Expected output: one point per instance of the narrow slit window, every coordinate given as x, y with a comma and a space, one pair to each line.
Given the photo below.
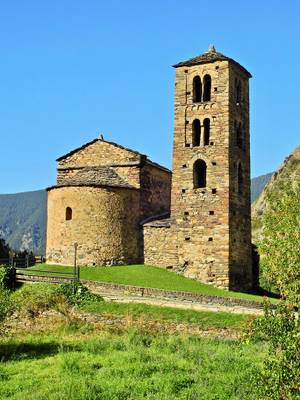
240, 179
199, 174
196, 132
69, 213
206, 88
197, 89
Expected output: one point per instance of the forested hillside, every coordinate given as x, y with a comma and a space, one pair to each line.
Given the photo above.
23, 220
288, 172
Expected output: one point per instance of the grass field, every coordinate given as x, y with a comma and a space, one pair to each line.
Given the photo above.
147, 276
66, 358
204, 319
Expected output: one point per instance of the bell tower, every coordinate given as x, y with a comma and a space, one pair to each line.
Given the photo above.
211, 170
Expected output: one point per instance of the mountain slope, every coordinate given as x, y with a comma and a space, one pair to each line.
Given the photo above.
288, 172
258, 184
23, 220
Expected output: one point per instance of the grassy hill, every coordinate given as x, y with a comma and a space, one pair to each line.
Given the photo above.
23, 220
23, 216
289, 171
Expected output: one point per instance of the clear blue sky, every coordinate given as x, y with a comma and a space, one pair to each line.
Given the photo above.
71, 70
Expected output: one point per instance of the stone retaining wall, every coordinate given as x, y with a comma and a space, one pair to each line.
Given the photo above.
130, 290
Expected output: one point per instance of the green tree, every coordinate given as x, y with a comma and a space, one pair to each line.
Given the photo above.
280, 247
279, 378
4, 249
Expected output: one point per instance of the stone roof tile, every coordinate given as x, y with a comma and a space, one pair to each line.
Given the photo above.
210, 56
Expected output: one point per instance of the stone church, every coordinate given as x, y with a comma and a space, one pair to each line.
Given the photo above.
122, 208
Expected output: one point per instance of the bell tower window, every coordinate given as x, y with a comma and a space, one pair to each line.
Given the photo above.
207, 88
199, 174
206, 125
197, 89
196, 132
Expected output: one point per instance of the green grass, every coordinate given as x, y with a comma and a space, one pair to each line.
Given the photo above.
151, 277
204, 319
78, 363
62, 358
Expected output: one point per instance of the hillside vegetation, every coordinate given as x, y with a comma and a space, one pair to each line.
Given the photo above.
23, 220
288, 172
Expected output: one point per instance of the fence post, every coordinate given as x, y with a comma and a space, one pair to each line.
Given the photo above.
27, 260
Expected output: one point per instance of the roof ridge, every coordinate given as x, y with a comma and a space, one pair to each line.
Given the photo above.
210, 57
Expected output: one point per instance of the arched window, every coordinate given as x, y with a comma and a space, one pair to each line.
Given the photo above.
206, 125
207, 87
197, 89
199, 174
196, 132
69, 213
240, 179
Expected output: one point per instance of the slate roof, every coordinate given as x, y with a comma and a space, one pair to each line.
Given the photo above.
210, 56
115, 145
92, 142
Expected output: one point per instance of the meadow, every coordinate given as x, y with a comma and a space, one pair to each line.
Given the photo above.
49, 351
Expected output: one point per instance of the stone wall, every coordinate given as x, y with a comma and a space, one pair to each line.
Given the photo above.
155, 191
160, 244
105, 224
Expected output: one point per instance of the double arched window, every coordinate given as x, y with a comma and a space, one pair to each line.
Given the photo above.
198, 96
199, 174
196, 132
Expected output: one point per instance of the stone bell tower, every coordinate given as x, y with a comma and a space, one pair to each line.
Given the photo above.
211, 170
208, 236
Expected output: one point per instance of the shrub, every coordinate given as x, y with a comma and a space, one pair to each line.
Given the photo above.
33, 299
6, 304
7, 276
75, 293
279, 377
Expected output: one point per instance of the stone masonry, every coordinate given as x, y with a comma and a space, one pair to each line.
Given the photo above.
103, 193
208, 236
120, 207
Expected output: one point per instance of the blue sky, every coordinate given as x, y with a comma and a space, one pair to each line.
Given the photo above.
71, 70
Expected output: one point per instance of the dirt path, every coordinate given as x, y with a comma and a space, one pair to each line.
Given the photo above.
186, 305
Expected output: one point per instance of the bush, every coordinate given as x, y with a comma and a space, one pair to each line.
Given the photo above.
75, 293
7, 276
279, 377
6, 304
33, 299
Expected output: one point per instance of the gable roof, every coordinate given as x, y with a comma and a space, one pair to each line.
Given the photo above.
92, 142
115, 145
210, 56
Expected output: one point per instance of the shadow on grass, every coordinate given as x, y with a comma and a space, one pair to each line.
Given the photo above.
26, 350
